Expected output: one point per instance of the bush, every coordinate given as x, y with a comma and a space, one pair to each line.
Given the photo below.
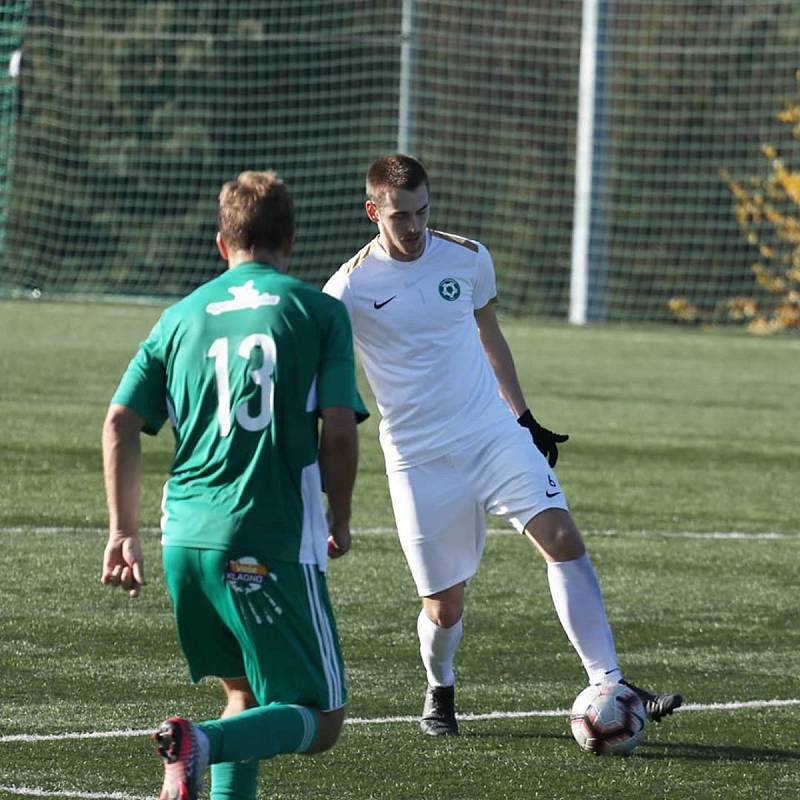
768, 212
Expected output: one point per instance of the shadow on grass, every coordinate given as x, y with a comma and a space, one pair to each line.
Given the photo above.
654, 750
714, 752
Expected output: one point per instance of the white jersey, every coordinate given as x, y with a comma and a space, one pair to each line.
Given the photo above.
417, 339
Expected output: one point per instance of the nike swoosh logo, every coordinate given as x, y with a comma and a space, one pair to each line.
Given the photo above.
376, 304
552, 494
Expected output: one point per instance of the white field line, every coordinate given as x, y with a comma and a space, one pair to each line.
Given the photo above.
691, 707
25, 791
36, 791
556, 712
746, 535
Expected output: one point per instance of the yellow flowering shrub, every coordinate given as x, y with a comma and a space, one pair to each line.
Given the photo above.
768, 212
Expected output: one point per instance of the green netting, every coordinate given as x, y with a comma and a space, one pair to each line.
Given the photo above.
135, 112
12, 20
692, 90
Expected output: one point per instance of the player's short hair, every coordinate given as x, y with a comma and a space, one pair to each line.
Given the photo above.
395, 172
256, 211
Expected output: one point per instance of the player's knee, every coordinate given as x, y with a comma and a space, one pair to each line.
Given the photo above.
445, 608
567, 546
239, 702
239, 696
556, 536
445, 615
330, 726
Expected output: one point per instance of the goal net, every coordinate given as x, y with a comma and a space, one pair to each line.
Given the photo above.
12, 19
130, 114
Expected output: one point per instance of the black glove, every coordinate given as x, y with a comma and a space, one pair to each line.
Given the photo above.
544, 439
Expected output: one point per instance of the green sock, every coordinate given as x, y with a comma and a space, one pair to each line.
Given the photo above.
261, 732
234, 780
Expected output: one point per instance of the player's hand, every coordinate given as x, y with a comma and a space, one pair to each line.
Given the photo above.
339, 540
545, 440
123, 564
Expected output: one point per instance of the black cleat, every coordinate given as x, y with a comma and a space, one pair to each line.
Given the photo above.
438, 713
656, 706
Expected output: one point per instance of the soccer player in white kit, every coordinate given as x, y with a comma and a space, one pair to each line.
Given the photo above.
456, 431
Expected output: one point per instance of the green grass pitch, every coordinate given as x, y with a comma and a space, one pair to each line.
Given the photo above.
679, 439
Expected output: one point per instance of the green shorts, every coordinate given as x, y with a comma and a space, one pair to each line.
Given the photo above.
269, 621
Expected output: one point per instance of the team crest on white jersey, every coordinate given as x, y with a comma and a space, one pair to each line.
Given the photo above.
244, 297
449, 289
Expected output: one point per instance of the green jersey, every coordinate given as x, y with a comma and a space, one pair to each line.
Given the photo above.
241, 367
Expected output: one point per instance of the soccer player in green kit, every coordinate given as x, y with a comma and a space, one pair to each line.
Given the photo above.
243, 368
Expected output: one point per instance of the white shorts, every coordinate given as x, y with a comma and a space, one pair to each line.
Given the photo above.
440, 505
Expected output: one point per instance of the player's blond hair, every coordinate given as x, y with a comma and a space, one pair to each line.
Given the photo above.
256, 211
395, 172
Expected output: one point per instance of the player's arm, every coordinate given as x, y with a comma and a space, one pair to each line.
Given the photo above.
502, 362
338, 460
499, 354
123, 564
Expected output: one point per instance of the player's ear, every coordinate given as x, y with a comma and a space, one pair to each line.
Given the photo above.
372, 210
222, 247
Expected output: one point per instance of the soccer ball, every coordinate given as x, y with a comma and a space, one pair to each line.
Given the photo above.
607, 719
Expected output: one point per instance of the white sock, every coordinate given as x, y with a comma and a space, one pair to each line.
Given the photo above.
579, 604
437, 647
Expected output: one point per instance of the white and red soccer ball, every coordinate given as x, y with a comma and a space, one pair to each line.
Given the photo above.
607, 719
